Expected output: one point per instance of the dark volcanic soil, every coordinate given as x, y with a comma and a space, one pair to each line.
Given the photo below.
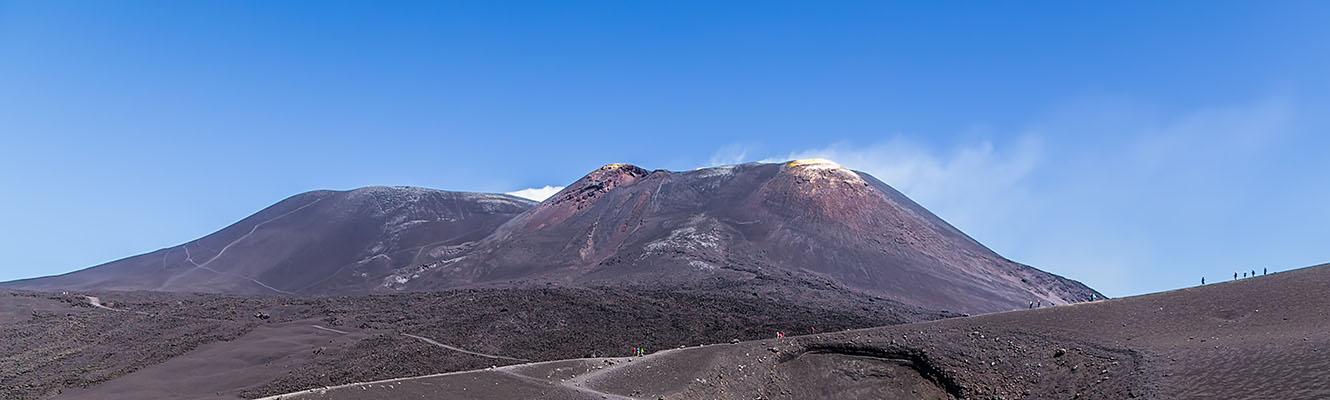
1261, 338
169, 345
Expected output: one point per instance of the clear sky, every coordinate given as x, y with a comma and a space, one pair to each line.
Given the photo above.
1133, 146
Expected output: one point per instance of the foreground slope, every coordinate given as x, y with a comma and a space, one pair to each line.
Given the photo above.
312, 243
1260, 338
163, 345
797, 229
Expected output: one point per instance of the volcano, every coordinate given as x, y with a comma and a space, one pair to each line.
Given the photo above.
802, 231
802, 227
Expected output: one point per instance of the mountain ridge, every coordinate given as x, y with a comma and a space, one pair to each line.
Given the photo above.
323, 231
803, 230
806, 220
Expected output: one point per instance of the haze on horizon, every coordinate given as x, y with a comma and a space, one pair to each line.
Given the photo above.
1134, 152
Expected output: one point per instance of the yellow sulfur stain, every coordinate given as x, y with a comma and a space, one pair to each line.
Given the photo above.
809, 162
819, 169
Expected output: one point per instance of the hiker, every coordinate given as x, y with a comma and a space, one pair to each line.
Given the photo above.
1038, 303
1253, 273
1244, 274
780, 334
1235, 276
1265, 271
1031, 304
1202, 281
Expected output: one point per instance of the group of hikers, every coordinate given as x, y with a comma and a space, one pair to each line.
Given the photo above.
1245, 274
1039, 303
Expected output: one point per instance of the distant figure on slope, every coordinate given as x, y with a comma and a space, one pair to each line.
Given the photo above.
1031, 304
1038, 303
1202, 281
780, 334
1235, 276
1265, 271
1253, 273
1244, 274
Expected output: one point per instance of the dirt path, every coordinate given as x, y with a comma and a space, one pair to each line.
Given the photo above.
324, 328
583, 383
436, 343
296, 395
580, 383
578, 387
204, 266
577, 384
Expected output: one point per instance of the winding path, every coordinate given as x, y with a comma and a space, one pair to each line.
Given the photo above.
324, 328
580, 383
204, 266
436, 343
567, 384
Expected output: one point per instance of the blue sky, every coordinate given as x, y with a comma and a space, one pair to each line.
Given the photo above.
1133, 146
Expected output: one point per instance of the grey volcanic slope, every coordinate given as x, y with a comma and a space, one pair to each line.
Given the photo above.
312, 243
799, 228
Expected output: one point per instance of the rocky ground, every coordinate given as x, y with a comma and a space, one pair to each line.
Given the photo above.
1261, 338
169, 345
